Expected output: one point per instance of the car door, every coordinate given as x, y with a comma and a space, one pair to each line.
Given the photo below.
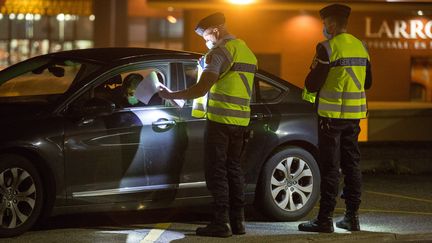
193, 169
262, 127
135, 149
191, 178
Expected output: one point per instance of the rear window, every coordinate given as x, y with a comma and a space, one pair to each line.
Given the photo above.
268, 92
264, 91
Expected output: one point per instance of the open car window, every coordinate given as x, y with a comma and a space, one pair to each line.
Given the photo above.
121, 89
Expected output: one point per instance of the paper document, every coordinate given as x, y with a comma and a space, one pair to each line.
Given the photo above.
150, 86
177, 102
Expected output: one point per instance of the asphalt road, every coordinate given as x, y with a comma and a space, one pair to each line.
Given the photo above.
396, 208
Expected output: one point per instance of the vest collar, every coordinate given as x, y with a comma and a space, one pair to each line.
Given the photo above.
224, 40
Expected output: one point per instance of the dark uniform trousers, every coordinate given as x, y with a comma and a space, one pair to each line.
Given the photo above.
224, 176
338, 143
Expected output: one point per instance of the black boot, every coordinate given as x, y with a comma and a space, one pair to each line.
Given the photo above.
219, 227
215, 230
318, 225
237, 221
349, 222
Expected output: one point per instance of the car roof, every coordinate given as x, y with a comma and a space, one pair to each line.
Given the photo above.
113, 54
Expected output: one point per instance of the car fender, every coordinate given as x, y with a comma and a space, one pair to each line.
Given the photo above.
44, 148
301, 132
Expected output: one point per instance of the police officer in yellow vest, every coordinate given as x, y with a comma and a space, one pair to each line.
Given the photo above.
339, 74
223, 93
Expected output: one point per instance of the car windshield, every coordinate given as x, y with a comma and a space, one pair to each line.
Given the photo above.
38, 77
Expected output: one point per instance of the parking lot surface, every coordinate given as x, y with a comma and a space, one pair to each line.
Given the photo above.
395, 208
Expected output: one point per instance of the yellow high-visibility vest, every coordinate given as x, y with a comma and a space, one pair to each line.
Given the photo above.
199, 104
343, 95
229, 98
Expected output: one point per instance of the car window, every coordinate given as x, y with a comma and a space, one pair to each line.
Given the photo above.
121, 89
49, 79
190, 76
115, 87
265, 91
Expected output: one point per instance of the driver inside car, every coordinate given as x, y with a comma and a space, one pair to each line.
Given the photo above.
130, 84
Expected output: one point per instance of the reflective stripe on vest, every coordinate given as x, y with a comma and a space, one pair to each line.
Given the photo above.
199, 107
243, 67
343, 95
343, 108
229, 98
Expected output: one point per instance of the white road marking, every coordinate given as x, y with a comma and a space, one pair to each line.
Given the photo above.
154, 234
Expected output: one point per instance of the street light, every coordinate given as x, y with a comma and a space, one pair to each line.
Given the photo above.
61, 17
241, 2
172, 19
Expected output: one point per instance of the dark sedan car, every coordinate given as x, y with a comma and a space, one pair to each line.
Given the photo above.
70, 141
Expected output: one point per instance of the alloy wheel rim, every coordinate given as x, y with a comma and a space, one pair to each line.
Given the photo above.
291, 184
17, 197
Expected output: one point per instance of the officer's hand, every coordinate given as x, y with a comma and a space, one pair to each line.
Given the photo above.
164, 93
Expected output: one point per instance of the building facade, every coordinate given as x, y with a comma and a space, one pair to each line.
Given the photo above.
284, 35
34, 27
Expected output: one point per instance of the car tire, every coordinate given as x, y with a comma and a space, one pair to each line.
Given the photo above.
289, 196
21, 195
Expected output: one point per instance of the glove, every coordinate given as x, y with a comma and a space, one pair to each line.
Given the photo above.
201, 62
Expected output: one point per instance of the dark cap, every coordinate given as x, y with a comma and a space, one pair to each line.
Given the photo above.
335, 10
212, 20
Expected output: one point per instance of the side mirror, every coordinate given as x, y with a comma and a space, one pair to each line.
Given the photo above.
57, 71
97, 106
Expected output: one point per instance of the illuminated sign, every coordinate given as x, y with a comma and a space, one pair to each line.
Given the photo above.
47, 7
399, 34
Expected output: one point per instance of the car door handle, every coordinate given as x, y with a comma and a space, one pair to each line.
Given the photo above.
85, 121
161, 122
259, 116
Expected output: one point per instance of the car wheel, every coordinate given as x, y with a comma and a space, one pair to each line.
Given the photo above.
289, 184
21, 195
